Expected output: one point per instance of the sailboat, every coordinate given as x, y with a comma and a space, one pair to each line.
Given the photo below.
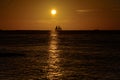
58, 28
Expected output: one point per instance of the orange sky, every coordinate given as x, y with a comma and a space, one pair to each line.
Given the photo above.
71, 14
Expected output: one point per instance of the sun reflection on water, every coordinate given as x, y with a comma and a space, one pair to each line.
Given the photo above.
54, 70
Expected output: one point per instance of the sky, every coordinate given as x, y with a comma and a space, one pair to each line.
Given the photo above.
71, 14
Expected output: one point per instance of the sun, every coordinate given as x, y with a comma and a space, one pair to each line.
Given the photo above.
53, 12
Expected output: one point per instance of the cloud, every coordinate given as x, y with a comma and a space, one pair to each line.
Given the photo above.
79, 11
83, 11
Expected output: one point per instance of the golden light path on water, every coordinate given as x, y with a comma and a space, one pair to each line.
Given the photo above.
54, 70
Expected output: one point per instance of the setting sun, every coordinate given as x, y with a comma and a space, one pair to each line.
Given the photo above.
53, 12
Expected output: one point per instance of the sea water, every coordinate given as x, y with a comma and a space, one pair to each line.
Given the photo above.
63, 55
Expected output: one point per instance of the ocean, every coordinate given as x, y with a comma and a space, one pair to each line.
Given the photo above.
63, 55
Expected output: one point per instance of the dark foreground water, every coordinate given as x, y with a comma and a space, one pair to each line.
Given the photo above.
67, 55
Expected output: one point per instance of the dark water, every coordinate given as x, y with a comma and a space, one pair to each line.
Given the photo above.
67, 55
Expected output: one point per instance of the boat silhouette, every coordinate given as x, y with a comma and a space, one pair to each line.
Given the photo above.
58, 28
